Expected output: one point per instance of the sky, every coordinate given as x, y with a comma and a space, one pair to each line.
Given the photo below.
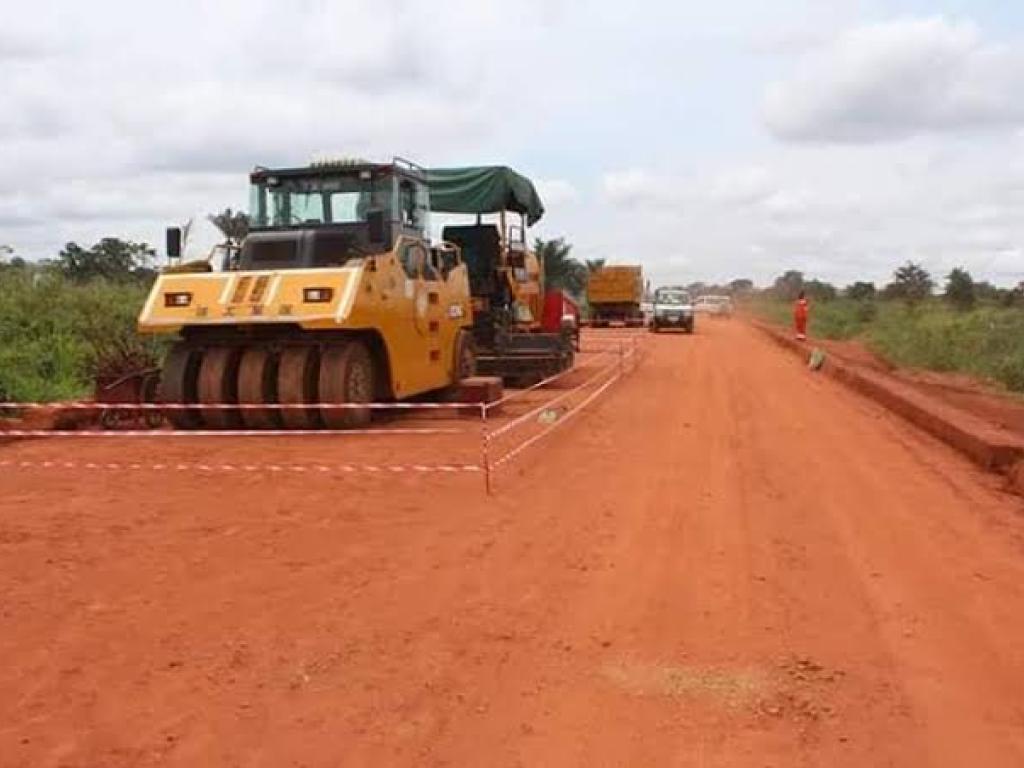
706, 140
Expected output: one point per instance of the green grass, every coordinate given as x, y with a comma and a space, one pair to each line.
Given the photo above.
987, 342
55, 336
839, 319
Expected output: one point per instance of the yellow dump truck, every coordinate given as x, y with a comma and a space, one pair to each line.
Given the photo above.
336, 296
614, 294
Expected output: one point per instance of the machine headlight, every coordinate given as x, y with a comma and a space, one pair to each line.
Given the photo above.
317, 295
179, 299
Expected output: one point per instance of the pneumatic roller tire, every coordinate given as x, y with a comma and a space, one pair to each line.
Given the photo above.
297, 384
218, 385
257, 384
178, 385
346, 376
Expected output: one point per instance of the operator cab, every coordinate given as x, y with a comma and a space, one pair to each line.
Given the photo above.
328, 213
504, 278
492, 249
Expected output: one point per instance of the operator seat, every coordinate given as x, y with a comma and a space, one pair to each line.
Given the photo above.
481, 251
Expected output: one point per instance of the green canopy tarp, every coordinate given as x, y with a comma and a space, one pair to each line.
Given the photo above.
483, 189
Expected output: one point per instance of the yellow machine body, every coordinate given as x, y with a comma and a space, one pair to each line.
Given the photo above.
414, 307
526, 284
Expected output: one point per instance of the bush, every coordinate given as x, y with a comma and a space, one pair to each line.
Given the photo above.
860, 291
1009, 371
56, 336
987, 342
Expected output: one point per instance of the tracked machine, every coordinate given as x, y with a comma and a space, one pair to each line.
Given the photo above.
335, 296
516, 335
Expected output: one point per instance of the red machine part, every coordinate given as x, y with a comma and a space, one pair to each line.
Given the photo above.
556, 306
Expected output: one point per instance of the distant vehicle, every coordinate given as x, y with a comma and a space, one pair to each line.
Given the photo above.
647, 311
614, 294
673, 308
714, 305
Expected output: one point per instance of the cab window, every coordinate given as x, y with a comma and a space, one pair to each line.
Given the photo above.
414, 259
444, 260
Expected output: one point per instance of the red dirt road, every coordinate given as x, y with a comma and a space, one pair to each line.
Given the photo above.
726, 562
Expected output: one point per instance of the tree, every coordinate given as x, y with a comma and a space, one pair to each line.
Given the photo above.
561, 271
110, 259
860, 291
985, 291
593, 265
960, 289
234, 225
789, 285
740, 286
819, 290
911, 282
1013, 297
8, 260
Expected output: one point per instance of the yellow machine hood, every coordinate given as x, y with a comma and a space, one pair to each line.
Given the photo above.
309, 297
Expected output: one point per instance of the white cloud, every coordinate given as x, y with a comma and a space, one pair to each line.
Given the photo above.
897, 79
641, 188
556, 192
787, 203
120, 118
839, 213
743, 186
628, 187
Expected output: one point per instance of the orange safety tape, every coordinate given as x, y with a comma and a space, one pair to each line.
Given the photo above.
118, 466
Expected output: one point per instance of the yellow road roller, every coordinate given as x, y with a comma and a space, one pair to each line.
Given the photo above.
335, 296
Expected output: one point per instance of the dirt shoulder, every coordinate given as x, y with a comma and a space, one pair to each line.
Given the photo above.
994, 405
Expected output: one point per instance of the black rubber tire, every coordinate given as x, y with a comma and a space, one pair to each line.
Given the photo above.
257, 384
218, 384
465, 357
568, 360
178, 385
297, 383
152, 418
347, 375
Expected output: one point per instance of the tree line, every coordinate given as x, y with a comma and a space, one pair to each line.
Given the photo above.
116, 260
910, 283
124, 261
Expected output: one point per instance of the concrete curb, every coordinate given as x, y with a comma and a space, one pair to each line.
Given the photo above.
991, 448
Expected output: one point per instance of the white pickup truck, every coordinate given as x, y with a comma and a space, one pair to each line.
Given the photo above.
720, 306
673, 308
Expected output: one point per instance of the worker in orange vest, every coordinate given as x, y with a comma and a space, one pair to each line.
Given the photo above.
800, 314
